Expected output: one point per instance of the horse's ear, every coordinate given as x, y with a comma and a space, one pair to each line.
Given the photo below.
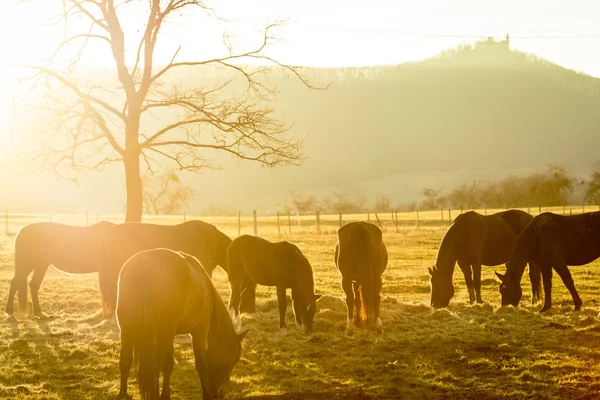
430, 271
500, 276
242, 335
318, 296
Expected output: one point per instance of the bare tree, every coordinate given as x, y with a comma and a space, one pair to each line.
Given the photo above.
304, 204
96, 124
382, 204
165, 194
433, 199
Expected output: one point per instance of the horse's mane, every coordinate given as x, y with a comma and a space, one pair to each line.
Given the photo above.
222, 332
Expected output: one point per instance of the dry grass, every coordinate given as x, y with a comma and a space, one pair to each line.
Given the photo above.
477, 352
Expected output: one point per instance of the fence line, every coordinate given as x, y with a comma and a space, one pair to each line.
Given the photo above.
317, 223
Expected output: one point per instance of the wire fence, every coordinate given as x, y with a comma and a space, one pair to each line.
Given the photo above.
284, 223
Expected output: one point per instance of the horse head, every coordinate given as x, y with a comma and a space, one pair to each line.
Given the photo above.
305, 297
221, 361
442, 288
510, 291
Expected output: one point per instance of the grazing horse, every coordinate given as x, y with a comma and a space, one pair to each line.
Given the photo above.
253, 260
474, 240
197, 238
71, 249
361, 257
552, 241
163, 293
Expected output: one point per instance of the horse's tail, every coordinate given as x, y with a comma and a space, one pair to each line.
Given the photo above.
143, 331
108, 290
366, 273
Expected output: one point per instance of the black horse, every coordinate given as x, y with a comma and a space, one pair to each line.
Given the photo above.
253, 260
474, 240
552, 241
361, 257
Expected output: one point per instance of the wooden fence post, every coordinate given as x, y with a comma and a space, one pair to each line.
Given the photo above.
418, 222
184, 216
539, 209
341, 219
278, 226
255, 227
449, 217
369, 215
570, 211
289, 223
442, 213
239, 223
395, 220
564, 209
318, 223
528, 210
583, 208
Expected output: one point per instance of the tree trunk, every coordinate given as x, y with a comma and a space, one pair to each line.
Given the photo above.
131, 159
133, 182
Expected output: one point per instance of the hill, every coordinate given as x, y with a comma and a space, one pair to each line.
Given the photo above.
474, 112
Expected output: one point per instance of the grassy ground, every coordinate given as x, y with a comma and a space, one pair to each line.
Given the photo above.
475, 352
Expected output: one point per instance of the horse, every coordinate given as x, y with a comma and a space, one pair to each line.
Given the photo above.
361, 258
200, 239
163, 293
552, 241
474, 240
71, 249
253, 260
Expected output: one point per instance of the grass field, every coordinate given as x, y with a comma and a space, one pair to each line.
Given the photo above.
467, 352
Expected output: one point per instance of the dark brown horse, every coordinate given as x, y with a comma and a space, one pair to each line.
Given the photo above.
361, 257
474, 240
71, 249
197, 238
552, 241
163, 293
253, 260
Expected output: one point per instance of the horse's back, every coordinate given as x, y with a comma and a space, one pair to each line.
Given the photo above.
130, 238
575, 239
360, 242
164, 283
262, 260
73, 249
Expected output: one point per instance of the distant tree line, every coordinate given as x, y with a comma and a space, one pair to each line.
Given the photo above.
555, 186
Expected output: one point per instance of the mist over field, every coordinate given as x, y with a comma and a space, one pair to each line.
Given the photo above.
478, 112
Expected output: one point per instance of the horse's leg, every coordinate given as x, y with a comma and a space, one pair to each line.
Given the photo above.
563, 271
377, 300
347, 286
125, 361
34, 285
282, 301
357, 305
477, 281
535, 279
18, 283
248, 300
297, 307
235, 286
199, 344
167, 369
466, 269
547, 279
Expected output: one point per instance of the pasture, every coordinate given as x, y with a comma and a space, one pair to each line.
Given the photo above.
474, 352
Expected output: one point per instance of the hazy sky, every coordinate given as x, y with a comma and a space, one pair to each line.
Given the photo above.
321, 33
